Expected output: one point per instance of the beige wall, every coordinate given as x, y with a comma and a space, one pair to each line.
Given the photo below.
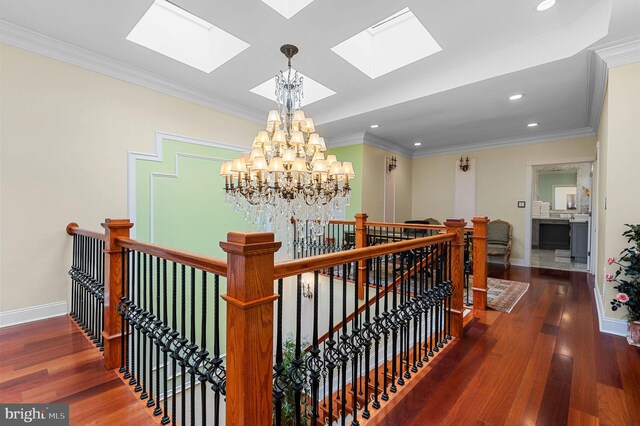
374, 174
620, 135
64, 139
601, 193
501, 181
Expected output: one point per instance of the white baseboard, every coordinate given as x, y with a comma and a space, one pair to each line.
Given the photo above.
608, 325
32, 313
498, 260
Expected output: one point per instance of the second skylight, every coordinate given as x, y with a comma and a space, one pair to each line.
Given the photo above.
392, 43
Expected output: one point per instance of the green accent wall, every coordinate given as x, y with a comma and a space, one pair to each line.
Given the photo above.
355, 154
188, 206
182, 198
546, 181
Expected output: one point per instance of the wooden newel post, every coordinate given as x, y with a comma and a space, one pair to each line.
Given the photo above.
113, 228
250, 259
480, 262
361, 241
456, 226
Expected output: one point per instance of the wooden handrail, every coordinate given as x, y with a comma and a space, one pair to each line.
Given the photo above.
208, 264
413, 226
342, 222
309, 264
387, 288
72, 229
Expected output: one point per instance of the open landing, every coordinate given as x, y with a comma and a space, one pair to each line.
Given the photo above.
51, 361
545, 363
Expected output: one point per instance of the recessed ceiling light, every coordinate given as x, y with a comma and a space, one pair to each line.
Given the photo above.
532, 124
375, 126
516, 97
313, 91
417, 144
545, 4
396, 41
176, 33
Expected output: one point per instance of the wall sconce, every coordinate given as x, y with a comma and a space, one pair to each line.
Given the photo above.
464, 164
393, 163
307, 293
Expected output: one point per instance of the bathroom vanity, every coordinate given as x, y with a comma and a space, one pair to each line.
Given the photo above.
564, 233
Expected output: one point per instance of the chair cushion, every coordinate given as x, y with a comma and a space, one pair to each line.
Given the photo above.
498, 232
496, 249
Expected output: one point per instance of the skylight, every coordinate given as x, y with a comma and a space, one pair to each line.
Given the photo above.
392, 43
287, 8
176, 33
313, 91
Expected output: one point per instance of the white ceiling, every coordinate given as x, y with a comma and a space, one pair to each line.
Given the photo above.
453, 100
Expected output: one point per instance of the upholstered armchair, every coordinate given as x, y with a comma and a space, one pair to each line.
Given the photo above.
499, 236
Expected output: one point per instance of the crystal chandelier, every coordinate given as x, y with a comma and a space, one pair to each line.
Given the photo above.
287, 176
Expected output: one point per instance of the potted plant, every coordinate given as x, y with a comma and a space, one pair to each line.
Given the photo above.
627, 279
289, 407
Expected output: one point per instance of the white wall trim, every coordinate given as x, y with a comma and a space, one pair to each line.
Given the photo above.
33, 313
598, 73
498, 261
502, 143
174, 175
57, 49
157, 156
346, 140
385, 144
620, 54
606, 324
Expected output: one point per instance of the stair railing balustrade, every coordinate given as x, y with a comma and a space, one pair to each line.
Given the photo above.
375, 316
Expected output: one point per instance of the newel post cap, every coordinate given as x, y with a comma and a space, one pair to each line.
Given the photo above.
250, 243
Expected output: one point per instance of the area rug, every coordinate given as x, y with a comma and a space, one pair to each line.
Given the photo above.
503, 295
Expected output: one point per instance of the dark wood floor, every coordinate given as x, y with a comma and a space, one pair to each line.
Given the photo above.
51, 361
545, 363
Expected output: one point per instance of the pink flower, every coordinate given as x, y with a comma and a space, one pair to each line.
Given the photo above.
622, 297
608, 277
611, 260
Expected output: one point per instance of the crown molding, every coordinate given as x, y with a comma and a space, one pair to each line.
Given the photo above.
502, 143
598, 73
620, 54
386, 144
346, 140
32, 41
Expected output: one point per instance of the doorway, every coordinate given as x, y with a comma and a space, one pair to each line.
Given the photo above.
559, 218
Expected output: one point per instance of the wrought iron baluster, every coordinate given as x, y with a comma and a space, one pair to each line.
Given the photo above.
157, 335
192, 379
280, 382
203, 350
165, 331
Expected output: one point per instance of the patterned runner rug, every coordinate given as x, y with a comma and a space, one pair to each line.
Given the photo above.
503, 295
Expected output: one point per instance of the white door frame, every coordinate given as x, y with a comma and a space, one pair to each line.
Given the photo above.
529, 197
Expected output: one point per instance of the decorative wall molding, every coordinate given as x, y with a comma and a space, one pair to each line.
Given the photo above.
33, 313
346, 140
598, 74
606, 324
386, 144
53, 48
174, 175
620, 54
157, 156
502, 143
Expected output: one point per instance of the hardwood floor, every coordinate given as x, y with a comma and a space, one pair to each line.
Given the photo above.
51, 361
545, 363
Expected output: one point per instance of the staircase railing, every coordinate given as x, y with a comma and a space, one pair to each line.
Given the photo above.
87, 282
163, 320
416, 309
